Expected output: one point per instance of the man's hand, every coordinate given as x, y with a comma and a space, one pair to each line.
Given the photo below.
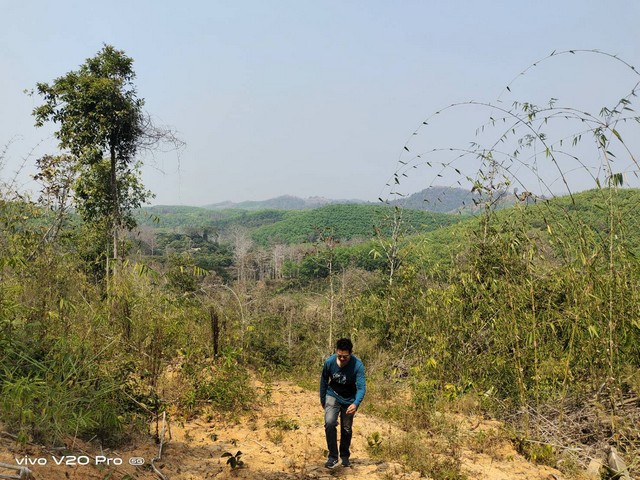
351, 409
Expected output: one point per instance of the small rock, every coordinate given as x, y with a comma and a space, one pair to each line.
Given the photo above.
593, 470
616, 463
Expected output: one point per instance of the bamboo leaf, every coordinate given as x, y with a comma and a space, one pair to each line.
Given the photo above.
615, 132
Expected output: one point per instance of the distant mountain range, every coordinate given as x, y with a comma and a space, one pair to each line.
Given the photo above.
451, 200
284, 202
433, 199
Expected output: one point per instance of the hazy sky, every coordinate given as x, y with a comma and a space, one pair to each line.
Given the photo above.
306, 98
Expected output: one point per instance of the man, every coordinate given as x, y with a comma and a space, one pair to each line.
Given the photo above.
342, 388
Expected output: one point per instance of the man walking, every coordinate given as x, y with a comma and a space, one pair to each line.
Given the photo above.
342, 388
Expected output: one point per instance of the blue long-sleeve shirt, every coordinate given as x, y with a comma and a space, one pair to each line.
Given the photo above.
346, 384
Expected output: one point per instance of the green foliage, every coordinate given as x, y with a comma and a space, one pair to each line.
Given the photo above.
506, 320
374, 441
541, 453
315, 264
410, 449
525, 316
196, 250
102, 125
182, 274
172, 217
77, 362
96, 107
267, 343
58, 395
269, 227
93, 191
222, 383
283, 423
344, 221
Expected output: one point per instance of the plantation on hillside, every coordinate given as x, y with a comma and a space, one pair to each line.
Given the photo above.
557, 222
268, 227
345, 222
176, 217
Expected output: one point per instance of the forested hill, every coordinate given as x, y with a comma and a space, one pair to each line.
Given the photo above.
561, 223
294, 226
283, 202
346, 222
447, 200
434, 199
179, 217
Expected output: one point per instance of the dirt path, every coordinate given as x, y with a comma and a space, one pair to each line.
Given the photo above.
269, 451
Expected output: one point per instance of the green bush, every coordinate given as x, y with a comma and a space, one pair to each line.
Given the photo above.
47, 400
222, 383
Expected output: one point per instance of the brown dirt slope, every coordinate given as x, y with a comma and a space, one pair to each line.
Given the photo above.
269, 451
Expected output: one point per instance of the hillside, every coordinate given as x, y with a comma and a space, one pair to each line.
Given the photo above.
448, 200
283, 202
561, 219
266, 227
433, 199
282, 439
345, 222
468, 327
289, 219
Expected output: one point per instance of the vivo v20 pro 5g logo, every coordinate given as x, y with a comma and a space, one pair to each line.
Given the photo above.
75, 460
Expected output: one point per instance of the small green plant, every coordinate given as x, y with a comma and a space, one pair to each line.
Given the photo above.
283, 424
267, 387
540, 453
275, 436
375, 442
442, 463
220, 383
452, 392
487, 442
234, 460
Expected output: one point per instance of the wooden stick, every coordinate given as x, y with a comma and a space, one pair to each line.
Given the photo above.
259, 444
23, 472
162, 433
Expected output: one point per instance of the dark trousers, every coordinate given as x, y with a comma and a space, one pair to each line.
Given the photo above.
333, 409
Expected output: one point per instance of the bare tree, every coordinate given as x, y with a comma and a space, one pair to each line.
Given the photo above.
242, 245
279, 254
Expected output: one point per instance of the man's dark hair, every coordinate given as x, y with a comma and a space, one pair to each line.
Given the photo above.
344, 344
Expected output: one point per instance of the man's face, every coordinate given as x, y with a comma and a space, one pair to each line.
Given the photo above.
343, 357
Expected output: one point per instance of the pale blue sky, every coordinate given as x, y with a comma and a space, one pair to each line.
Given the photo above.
306, 98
